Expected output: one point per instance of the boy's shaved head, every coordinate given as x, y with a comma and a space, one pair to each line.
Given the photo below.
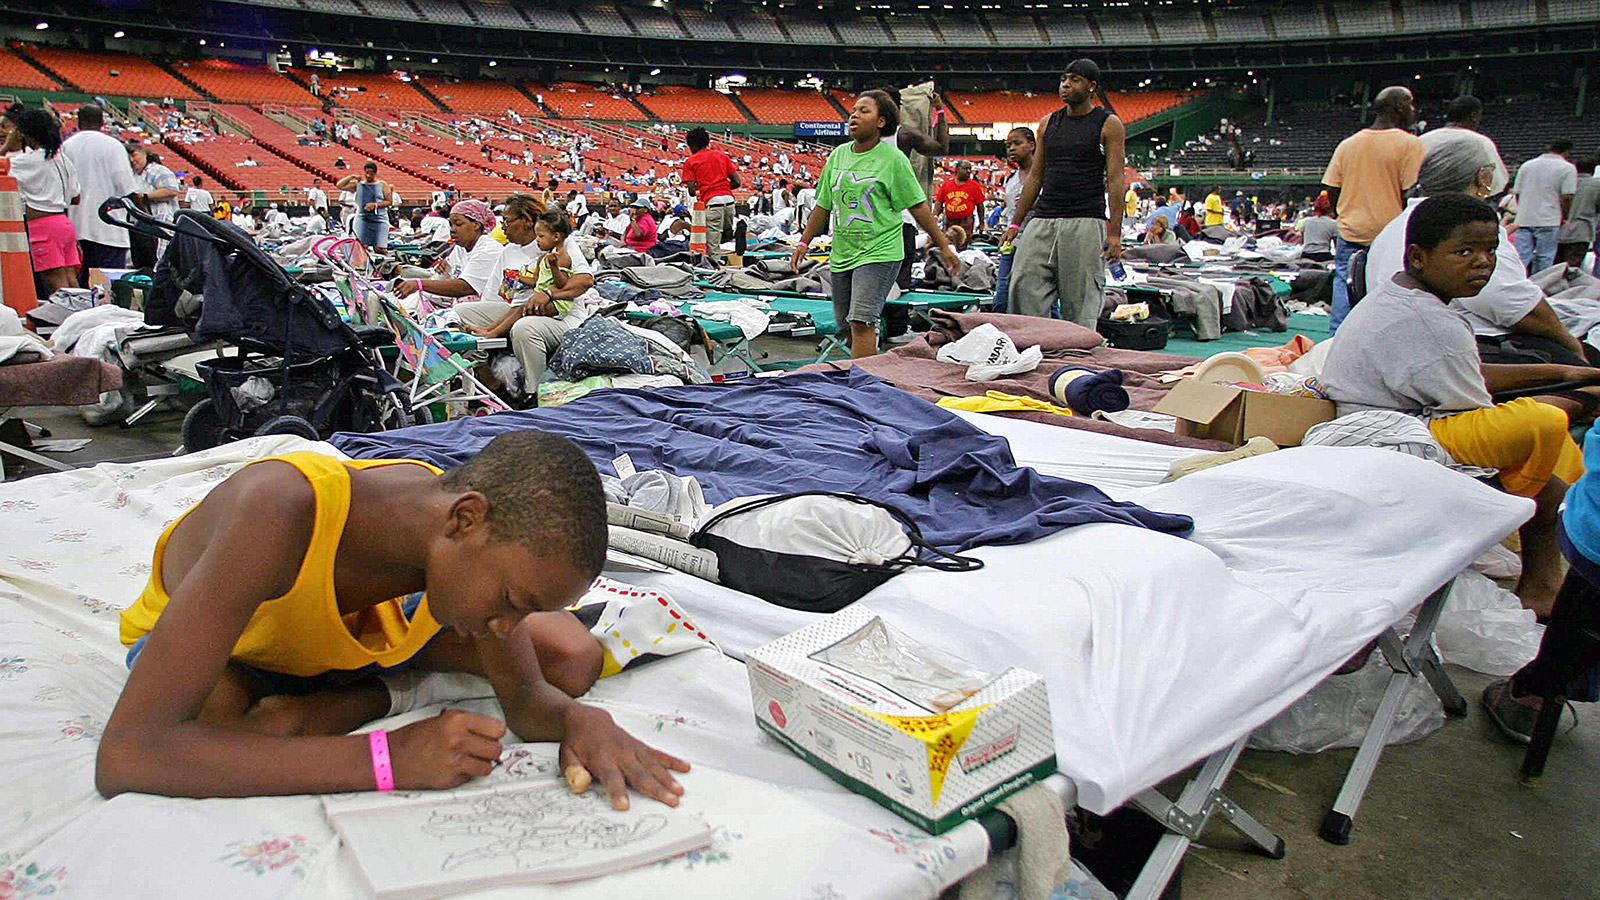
543, 494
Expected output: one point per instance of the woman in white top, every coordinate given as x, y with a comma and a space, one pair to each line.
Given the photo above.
48, 183
473, 266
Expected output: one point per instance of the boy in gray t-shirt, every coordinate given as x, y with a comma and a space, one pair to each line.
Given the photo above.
1404, 348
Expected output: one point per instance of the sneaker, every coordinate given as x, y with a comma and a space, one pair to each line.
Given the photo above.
1514, 716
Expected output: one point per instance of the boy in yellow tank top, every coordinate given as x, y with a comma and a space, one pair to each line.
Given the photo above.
272, 606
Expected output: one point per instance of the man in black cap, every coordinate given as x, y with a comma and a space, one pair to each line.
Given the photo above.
1074, 190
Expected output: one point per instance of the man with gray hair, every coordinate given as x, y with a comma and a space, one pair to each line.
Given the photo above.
1509, 316
1366, 181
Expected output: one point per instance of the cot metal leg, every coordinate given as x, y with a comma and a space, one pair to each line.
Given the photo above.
30, 456
1186, 818
1411, 659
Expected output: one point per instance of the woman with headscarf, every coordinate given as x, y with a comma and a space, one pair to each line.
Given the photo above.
1318, 230
1510, 317
48, 183
472, 268
373, 199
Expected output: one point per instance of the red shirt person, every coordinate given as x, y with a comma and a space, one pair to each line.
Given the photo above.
961, 200
711, 176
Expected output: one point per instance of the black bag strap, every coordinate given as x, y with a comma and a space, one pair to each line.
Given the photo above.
947, 561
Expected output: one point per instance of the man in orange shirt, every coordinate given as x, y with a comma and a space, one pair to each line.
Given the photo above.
960, 200
1366, 181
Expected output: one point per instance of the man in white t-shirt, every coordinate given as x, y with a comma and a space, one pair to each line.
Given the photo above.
577, 206
198, 198
316, 197
616, 221
103, 172
1544, 189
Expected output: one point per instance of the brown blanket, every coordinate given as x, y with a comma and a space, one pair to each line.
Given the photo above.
913, 368
60, 381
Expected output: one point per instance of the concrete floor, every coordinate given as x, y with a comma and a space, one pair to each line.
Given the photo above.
1444, 818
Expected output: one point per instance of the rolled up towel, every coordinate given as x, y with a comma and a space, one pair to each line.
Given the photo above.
1087, 391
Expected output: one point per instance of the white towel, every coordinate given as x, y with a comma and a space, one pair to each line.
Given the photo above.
743, 316
23, 348
1041, 859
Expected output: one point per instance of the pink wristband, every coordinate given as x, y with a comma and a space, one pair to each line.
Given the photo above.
419, 285
382, 771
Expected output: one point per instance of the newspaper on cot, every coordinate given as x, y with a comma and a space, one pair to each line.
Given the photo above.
915, 728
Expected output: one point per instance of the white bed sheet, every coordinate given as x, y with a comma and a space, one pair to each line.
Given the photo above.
1299, 557
1160, 650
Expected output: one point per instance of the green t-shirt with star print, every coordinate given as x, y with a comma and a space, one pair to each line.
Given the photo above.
865, 193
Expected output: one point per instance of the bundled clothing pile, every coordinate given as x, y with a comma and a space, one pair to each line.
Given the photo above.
604, 346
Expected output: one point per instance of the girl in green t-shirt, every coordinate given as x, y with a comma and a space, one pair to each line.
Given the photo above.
863, 186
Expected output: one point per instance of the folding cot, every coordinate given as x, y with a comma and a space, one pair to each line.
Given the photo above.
1158, 651
815, 310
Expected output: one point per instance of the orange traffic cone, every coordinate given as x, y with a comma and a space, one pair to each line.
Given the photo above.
16, 265
697, 228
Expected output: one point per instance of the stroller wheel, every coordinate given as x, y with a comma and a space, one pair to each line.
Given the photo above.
289, 425
203, 427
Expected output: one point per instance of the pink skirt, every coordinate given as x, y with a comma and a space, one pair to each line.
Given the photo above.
53, 243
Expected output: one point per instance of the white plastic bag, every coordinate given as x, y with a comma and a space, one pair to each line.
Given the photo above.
1485, 628
1498, 562
988, 353
1337, 712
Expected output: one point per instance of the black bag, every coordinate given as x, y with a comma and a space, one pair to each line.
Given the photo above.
817, 551
1146, 334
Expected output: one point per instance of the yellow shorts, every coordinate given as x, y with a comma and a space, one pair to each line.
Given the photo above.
1526, 440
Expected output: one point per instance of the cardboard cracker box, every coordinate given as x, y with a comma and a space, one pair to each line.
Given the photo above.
1227, 413
934, 767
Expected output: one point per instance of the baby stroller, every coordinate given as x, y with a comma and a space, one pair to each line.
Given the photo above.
301, 369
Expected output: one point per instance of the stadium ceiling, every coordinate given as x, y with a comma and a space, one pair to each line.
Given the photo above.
178, 25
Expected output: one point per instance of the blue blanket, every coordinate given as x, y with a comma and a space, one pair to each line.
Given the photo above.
841, 431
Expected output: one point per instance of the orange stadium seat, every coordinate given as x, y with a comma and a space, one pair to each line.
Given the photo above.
15, 73
572, 100
779, 107
113, 74
680, 103
1002, 106
490, 98
1131, 107
367, 90
232, 82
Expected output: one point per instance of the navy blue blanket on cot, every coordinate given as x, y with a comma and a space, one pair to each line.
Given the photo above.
842, 431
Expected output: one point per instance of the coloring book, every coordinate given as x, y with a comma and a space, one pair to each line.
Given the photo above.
519, 825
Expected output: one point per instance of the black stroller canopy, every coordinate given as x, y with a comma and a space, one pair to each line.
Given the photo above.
248, 298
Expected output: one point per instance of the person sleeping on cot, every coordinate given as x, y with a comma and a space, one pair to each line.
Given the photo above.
271, 613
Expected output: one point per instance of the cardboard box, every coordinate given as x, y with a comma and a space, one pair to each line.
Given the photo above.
1226, 413
935, 769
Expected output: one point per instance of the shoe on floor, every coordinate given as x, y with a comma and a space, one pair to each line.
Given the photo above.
1514, 716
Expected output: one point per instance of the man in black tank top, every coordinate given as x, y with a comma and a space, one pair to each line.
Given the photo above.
1074, 190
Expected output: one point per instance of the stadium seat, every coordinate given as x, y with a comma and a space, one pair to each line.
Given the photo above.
16, 73
572, 100
772, 106
490, 98
367, 90
679, 103
113, 74
232, 82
